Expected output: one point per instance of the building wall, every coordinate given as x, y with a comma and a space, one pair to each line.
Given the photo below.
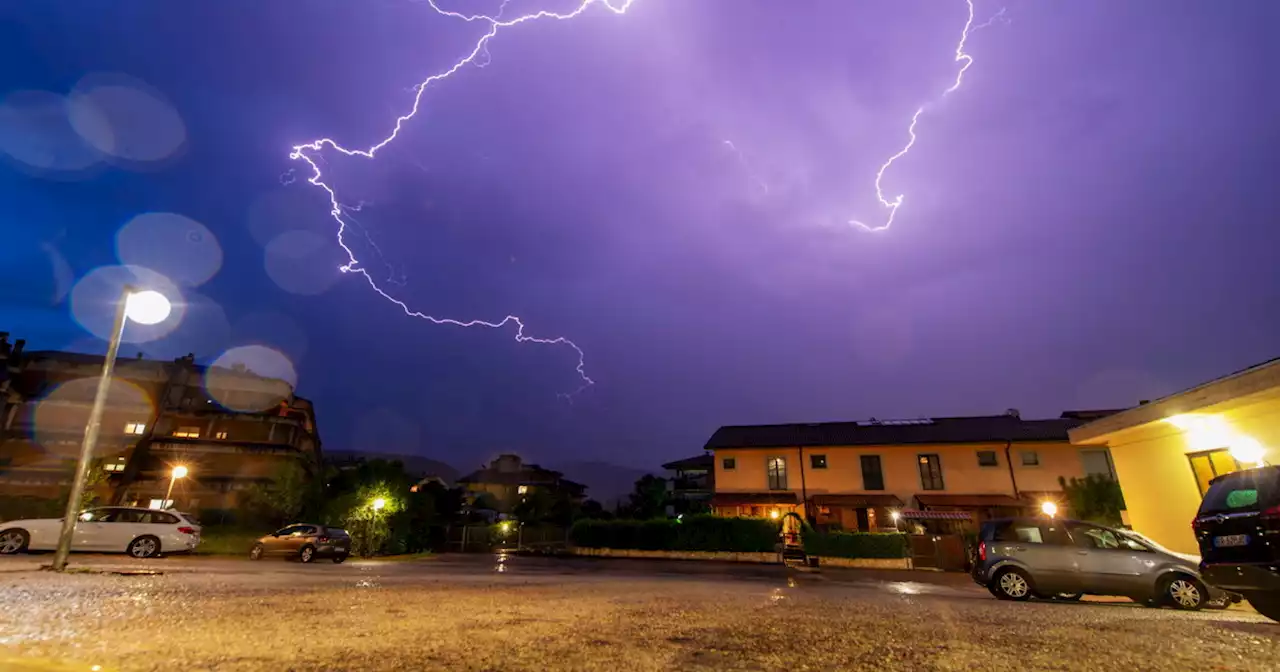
1160, 489
900, 466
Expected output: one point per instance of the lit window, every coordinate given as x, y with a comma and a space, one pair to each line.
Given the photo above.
160, 504
113, 466
220, 435
776, 468
187, 432
522, 490
135, 428
1210, 463
818, 461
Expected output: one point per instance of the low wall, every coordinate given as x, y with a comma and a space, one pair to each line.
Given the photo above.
770, 558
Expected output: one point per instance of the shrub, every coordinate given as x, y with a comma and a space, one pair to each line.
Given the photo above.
694, 533
856, 544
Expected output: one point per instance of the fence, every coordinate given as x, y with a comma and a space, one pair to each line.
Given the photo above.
509, 535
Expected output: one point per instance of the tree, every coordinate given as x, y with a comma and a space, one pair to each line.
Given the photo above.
95, 478
595, 510
1094, 498
649, 499
284, 498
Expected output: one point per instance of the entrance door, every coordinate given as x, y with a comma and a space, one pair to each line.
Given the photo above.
864, 523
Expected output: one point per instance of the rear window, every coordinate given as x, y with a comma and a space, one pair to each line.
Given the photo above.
1248, 490
338, 532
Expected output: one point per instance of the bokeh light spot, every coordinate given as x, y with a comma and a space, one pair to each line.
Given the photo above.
126, 118
96, 295
58, 419
181, 248
251, 378
36, 134
302, 262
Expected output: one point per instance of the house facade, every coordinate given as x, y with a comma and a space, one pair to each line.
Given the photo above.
691, 484
230, 428
929, 474
1167, 451
508, 480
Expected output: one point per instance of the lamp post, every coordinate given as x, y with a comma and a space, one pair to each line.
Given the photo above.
143, 307
178, 472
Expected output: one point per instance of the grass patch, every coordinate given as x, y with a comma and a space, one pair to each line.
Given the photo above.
227, 541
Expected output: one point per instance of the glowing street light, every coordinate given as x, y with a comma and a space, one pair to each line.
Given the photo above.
1049, 508
179, 471
144, 307
379, 504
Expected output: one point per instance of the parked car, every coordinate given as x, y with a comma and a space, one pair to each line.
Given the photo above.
142, 533
1021, 558
304, 542
1238, 529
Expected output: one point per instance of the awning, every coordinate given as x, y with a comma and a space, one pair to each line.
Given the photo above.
858, 501
936, 515
970, 501
753, 498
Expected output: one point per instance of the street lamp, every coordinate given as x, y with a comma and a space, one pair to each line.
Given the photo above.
143, 307
379, 504
895, 516
178, 472
1049, 509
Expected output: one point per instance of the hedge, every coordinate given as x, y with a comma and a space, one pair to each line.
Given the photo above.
856, 544
692, 533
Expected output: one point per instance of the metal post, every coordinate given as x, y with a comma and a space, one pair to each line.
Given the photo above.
90, 441
168, 493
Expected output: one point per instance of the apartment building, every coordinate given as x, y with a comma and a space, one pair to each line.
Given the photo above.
927, 474
229, 428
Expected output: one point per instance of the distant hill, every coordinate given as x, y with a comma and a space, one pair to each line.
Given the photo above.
606, 483
415, 465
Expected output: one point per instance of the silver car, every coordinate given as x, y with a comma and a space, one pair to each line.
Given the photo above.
1021, 558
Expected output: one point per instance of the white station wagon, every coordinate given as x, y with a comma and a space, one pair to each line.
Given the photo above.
142, 533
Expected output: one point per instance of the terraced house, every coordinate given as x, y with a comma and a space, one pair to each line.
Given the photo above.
919, 475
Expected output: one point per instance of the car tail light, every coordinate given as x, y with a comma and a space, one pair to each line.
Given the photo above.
1273, 512
982, 551
1197, 524
187, 530
324, 540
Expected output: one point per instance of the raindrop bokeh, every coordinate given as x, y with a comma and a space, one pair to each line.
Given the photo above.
125, 118
251, 378
302, 262
180, 248
58, 419
95, 297
36, 135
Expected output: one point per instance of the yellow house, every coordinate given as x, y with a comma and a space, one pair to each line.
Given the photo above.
940, 474
1166, 451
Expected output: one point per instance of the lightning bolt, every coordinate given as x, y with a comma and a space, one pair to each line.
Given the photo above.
742, 159
309, 153
966, 61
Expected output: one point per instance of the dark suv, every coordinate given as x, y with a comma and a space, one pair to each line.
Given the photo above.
1238, 528
304, 542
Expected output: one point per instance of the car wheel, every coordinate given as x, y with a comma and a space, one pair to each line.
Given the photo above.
307, 554
256, 553
1013, 584
339, 559
1184, 592
144, 547
1267, 604
14, 541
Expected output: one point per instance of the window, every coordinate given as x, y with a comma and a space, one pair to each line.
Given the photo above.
931, 473
1209, 464
1098, 463
522, 489
220, 435
987, 458
872, 476
1030, 458
114, 466
1088, 536
729, 463
160, 504
818, 461
135, 428
187, 432
777, 469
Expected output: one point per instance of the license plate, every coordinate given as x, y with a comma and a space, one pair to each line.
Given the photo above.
1231, 540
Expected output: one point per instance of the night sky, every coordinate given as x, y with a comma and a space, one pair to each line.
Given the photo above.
1089, 220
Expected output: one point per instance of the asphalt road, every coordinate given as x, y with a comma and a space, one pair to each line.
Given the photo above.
487, 613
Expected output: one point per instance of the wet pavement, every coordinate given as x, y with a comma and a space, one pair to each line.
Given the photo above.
516, 613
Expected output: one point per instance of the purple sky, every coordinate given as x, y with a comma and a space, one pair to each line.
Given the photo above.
1088, 221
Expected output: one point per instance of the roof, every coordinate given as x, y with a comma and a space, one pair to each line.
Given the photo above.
704, 461
970, 500
740, 498
1242, 383
857, 501
974, 429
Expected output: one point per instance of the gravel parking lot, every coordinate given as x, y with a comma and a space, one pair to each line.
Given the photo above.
531, 614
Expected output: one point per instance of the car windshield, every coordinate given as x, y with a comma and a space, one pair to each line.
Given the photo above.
1248, 490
